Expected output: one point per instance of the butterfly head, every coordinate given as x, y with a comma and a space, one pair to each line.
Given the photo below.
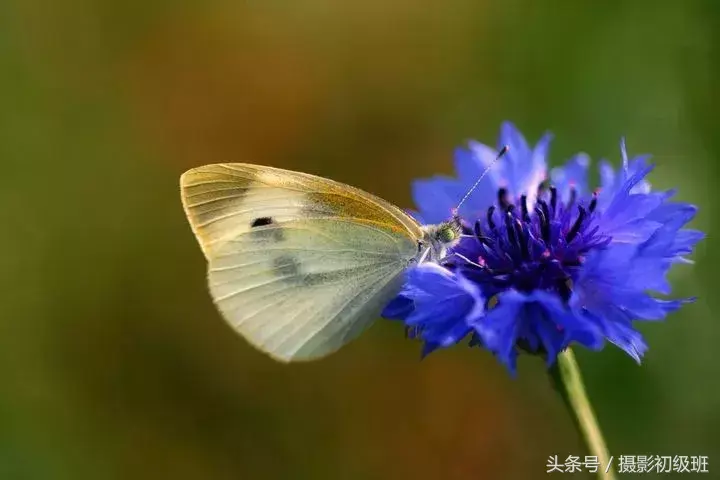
439, 238
448, 233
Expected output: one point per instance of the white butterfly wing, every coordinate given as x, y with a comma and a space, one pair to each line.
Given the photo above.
298, 265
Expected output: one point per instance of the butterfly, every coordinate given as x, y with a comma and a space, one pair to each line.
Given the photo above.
300, 265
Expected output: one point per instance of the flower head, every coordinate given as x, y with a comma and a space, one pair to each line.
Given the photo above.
544, 264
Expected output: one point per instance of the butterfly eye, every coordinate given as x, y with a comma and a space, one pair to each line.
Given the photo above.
446, 234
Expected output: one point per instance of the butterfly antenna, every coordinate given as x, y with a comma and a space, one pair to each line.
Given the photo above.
502, 152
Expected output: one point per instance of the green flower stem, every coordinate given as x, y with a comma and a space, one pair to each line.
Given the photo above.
565, 374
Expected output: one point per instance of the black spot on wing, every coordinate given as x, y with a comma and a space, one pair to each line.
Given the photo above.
265, 228
261, 222
287, 266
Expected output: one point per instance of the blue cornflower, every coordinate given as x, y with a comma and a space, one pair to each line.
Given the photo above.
543, 265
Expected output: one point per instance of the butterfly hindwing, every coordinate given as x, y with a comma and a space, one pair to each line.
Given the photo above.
306, 295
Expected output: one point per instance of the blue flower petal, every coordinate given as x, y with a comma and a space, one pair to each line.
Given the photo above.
621, 334
631, 341
499, 328
522, 169
627, 217
438, 304
572, 175
470, 163
669, 240
537, 318
436, 198
611, 181
684, 242
607, 177
399, 308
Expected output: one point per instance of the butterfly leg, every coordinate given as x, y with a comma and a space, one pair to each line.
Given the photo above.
425, 255
463, 257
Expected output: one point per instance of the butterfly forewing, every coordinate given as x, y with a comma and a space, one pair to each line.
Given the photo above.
298, 264
223, 200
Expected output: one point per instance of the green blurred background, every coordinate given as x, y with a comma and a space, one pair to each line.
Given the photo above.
113, 361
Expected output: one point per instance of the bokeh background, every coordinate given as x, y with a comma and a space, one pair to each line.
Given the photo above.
113, 361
